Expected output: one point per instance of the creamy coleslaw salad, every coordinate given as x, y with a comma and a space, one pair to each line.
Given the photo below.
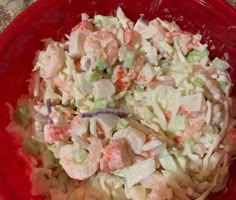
124, 110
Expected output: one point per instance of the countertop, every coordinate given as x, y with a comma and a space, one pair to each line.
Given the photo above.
9, 9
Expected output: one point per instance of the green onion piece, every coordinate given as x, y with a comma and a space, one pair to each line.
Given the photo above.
94, 76
122, 123
51, 147
101, 64
100, 103
163, 63
220, 64
196, 56
198, 82
182, 162
180, 121
129, 59
81, 156
223, 85
105, 20
188, 145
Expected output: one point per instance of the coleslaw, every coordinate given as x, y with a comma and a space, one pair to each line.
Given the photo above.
127, 110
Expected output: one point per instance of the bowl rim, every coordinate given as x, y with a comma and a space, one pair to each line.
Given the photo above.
11, 30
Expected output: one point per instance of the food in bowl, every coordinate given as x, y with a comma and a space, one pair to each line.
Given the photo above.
124, 110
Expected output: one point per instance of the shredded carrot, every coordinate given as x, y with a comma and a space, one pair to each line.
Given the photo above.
167, 114
179, 139
122, 85
78, 65
122, 82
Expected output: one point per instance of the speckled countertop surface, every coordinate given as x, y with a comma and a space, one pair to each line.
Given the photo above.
9, 9
233, 2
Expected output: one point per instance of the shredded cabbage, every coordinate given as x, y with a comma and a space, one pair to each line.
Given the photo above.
123, 110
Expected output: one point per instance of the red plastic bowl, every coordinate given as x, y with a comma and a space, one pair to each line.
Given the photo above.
214, 19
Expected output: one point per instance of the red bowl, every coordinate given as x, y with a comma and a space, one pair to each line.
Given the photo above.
214, 19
